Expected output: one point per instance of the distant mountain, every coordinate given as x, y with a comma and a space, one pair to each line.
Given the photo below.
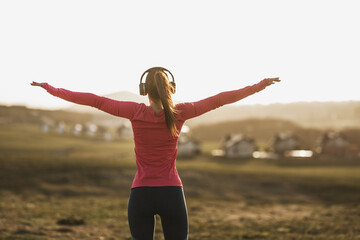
128, 96
120, 96
22, 114
337, 115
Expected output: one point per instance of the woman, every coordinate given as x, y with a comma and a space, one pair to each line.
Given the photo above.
157, 188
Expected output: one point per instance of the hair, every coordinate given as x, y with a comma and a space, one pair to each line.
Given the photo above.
159, 88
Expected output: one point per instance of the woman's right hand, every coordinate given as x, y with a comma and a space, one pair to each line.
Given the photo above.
35, 84
272, 80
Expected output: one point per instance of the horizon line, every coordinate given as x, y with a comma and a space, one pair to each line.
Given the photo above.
70, 105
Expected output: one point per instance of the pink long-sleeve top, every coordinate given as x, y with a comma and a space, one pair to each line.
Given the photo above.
155, 148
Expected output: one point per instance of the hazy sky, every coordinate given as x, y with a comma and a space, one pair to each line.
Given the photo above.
210, 46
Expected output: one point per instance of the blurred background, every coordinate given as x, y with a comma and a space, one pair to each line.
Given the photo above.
281, 164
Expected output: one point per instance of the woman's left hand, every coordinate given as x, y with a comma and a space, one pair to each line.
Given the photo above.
35, 84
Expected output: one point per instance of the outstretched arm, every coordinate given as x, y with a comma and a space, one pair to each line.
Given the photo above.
194, 109
114, 107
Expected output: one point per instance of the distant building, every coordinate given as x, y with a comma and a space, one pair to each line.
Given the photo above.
46, 124
187, 146
336, 144
283, 142
91, 129
238, 146
45, 127
299, 154
77, 129
61, 127
104, 133
108, 136
124, 131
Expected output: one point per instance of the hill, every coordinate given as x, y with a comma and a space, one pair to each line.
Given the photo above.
120, 96
22, 114
322, 115
307, 120
263, 130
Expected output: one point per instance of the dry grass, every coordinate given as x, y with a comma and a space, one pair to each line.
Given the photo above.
48, 178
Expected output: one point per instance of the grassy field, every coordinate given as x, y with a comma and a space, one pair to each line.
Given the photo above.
63, 187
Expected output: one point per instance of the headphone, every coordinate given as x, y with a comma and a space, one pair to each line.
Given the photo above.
142, 86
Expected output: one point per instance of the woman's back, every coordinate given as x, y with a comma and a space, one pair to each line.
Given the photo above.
155, 149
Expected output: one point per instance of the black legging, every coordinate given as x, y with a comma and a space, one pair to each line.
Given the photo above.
168, 202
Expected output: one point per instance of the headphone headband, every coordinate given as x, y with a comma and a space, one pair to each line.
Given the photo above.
142, 85
157, 68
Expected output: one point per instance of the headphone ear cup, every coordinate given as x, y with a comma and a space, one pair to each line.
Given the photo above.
142, 88
173, 87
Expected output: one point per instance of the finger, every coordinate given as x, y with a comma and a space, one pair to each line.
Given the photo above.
35, 84
275, 79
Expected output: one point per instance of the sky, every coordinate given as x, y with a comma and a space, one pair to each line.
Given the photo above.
210, 46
